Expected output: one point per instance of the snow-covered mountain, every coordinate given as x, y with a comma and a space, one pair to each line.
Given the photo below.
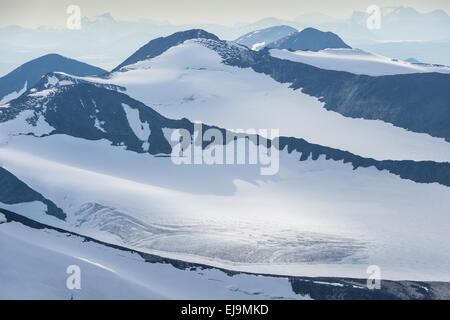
185, 75
158, 46
155, 206
27, 75
363, 179
260, 38
309, 39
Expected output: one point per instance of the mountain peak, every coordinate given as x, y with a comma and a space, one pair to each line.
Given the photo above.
159, 45
28, 74
310, 39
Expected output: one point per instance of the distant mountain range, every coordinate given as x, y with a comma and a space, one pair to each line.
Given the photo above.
115, 38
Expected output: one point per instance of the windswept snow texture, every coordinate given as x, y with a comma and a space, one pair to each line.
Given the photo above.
190, 80
34, 264
355, 61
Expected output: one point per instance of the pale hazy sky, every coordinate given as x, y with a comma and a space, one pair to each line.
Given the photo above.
34, 13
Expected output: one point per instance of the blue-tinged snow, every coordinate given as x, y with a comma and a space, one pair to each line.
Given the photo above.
34, 264
139, 128
21, 125
317, 218
13, 95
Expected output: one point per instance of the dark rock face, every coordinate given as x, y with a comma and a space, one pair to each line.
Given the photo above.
309, 39
14, 191
33, 70
158, 46
266, 36
356, 289
86, 111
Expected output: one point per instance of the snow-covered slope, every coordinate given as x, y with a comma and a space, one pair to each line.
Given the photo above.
323, 225
34, 264
355, 61
157, 46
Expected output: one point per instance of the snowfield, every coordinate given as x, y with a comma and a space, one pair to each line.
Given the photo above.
191, 81
35, 262
20, 125
318, 218
355, 61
